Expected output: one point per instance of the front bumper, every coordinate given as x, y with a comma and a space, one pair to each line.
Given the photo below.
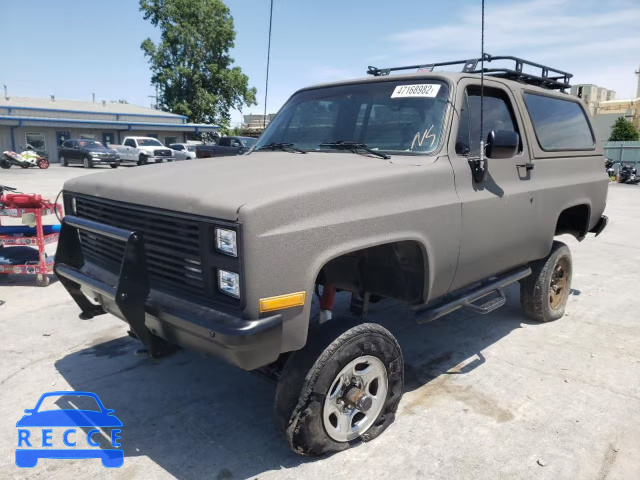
246, 343
161, 158
105, 160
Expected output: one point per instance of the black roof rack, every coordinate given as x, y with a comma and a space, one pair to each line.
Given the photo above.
548, 77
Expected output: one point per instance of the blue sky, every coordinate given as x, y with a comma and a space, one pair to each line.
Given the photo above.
72, 48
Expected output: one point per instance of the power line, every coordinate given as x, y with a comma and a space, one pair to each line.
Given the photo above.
266, 85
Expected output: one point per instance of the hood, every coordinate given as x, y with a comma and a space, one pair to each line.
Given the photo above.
221, 187
101, 150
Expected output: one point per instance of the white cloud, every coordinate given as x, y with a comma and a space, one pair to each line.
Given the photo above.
588, 38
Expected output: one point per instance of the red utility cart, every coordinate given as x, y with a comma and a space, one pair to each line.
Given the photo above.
31, 208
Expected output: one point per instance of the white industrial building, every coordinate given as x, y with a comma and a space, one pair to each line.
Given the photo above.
46, 123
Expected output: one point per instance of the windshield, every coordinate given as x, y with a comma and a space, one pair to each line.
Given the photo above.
148, 142
90, 145
401, 117
248, 141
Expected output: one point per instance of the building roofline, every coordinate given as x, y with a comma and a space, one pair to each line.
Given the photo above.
622, 100
168, 114
21, 119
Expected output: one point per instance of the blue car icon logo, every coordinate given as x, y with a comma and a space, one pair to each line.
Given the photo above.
37, 420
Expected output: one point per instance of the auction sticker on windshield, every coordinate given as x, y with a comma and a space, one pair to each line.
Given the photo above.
421, 90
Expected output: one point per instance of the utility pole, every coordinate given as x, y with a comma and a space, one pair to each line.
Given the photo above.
154, 105
638, 90
266, 85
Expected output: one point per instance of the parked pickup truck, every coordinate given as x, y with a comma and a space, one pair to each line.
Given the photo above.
143, 150
387, 187
226, 146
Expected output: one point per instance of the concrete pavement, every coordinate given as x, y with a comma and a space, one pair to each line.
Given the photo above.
486, 397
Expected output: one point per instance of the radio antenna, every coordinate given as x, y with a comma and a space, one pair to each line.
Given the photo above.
482, 159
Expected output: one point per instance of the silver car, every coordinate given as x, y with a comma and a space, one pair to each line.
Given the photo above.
183, 151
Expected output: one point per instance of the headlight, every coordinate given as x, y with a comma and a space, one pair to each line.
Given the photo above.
229, 283
95, 154
226, 241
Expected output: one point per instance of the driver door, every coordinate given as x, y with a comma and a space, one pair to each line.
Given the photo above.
498, 216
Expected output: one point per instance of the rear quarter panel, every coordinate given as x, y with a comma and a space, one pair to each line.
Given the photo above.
565, 178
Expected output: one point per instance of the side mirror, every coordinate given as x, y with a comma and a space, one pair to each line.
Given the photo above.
502, 144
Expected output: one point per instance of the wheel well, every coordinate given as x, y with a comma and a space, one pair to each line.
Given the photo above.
396, 270
574, 221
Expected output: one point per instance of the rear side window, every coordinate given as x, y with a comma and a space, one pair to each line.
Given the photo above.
559, 124
224, 142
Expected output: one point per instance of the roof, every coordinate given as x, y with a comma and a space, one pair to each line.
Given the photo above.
623, 100
82, 106
19, 120
453, 77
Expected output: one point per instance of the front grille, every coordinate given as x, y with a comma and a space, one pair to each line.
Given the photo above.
172, 245
162, 153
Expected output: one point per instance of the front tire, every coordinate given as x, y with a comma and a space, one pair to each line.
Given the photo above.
64, 162
544, 293
142, 160
87, 162
343, 387
6, 164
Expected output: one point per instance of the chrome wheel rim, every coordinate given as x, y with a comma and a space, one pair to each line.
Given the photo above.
355, 399
85, 162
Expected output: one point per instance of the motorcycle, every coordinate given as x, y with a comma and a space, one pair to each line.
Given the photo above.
26, 159
628, 174
611, 172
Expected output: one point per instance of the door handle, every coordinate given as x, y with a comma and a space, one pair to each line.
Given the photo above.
528, 166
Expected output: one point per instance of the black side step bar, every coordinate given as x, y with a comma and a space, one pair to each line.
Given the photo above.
132, 288
428, 313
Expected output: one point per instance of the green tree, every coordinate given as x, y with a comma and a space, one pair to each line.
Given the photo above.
190, 64
624, 131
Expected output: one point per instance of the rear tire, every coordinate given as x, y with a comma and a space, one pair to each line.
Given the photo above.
316, 375
544, 293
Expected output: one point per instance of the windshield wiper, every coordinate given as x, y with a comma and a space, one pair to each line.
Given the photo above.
287, 147
354, 147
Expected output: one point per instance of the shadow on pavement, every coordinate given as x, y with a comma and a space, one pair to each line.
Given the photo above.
198, 417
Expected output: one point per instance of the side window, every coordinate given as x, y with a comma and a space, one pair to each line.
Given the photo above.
67, 144
559, 124
497, 115
224, 142
235, 143
130, 143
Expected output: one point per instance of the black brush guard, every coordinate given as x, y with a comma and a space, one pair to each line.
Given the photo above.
248, 344
133, 284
